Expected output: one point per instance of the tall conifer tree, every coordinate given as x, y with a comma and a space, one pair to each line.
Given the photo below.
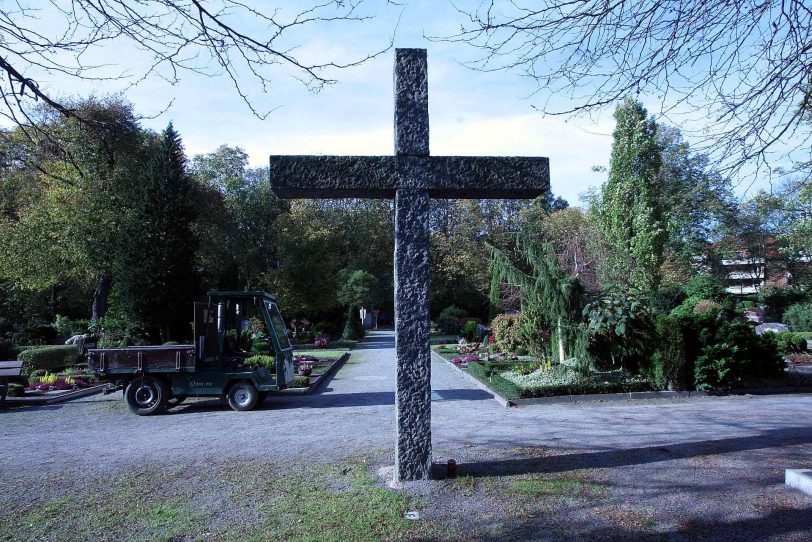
629, 213
158, 264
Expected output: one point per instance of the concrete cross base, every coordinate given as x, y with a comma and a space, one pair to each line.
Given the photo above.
799, 479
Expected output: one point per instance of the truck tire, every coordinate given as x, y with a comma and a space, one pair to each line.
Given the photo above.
146, 396
242, 396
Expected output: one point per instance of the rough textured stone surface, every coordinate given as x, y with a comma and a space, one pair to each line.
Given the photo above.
411, 102
457, 177
411, 177
413, 395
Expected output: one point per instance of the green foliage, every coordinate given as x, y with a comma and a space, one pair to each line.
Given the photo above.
486, 374
65, 327
469, 330
629, 213
706, 287
353, 327
619, 323
552, 298
799, 317
261, 360
261, 346
725, 353
48, 358
777, 299
668, 368
703, 294
695, 201
156, 278
449, 320
15, 390
35, 331
300, 381
358, 288
563, 380
667, 299
507, 333
116, 330
789, 343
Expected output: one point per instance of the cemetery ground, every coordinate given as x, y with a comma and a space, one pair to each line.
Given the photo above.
315, 467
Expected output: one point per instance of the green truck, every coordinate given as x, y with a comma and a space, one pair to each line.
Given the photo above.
228, 330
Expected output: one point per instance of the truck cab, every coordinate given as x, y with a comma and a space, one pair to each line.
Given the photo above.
241, 352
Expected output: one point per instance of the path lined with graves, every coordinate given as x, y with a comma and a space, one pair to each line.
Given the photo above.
718, 461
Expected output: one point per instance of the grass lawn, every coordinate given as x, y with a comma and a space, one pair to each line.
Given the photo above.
322, 353
438, 338
230, 501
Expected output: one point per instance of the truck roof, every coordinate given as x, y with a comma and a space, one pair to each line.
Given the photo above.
242, 295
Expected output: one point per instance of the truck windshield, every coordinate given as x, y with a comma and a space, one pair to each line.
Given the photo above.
278, 326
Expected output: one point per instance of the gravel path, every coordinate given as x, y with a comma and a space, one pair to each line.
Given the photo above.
712, 464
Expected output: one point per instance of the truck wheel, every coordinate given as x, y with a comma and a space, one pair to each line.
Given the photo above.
146, 396
242, 396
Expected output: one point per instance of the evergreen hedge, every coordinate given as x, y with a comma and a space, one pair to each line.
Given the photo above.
49, 358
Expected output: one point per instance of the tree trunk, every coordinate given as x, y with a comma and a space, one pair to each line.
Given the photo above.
561, 353
100, 295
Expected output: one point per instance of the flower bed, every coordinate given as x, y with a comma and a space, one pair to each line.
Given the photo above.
71, 379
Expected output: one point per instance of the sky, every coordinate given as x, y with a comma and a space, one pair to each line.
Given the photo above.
471, 113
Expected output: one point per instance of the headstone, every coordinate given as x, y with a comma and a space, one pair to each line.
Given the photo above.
771, 327
411, 177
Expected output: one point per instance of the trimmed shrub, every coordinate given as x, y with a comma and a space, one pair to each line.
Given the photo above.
799, 317
449, 320
469, 330
728, 352
667, 367
300, 381
789, 343
507, 332
48, 358
353, 327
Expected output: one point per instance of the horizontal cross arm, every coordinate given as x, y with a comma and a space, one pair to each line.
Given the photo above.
334, 176
455, 177
488, 177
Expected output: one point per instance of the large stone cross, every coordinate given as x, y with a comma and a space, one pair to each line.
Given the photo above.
411, 176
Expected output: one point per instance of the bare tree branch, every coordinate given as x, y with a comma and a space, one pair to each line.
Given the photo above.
221, 37
742, 66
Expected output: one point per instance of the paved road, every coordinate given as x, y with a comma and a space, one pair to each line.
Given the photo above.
709, 457
356, 411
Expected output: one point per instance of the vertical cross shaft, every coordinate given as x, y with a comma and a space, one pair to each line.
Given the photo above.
413, 395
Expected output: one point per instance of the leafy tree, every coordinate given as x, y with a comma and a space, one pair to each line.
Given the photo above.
63, 229
695, 201
238, 230
628, 213
357, 289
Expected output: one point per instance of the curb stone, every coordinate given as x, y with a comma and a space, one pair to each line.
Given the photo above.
323, 378
504, 401
53, 399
